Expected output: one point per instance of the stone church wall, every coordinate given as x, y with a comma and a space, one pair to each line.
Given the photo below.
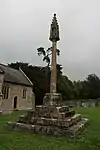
22, 103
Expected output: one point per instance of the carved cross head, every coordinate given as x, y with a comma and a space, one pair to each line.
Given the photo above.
54, 30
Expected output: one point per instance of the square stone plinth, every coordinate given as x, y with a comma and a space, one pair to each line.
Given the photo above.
52, 99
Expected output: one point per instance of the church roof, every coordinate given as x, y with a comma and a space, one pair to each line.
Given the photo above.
15, 76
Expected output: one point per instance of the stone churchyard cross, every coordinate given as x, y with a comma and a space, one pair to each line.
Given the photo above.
54, 37
53, 97
51, 118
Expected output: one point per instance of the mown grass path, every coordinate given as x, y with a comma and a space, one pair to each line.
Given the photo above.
90, 140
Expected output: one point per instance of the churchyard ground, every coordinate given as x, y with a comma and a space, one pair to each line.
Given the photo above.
88, 140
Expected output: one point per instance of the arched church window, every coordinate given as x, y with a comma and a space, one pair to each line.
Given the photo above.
24, 93
5, 91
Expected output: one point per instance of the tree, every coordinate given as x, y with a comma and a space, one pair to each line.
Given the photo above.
46, 54
93, 83
64, 85
66, 88
89, 88
38, 78
18, 65
46, 57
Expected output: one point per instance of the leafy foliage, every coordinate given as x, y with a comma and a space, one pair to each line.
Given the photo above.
40, 76
41, 51
89, 88
46, 53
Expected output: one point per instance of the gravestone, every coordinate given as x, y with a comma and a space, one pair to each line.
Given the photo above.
51, 117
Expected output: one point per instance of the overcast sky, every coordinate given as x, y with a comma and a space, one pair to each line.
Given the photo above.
24, 26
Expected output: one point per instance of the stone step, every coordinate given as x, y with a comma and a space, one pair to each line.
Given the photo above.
20, 126
42, 111
78, 127
57, 115
74, 119
56, 122
25, 118
51, 130
62, 108
52, 108
22, 119
60, 116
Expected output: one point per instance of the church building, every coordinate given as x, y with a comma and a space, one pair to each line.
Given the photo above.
15, 90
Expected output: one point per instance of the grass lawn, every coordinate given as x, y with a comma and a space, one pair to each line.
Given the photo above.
90, 140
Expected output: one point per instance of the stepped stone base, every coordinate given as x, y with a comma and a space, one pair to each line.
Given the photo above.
52, 120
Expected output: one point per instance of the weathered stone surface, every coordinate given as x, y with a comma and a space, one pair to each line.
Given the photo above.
30, 113
51, 108
62, 108
52, 99
50, 120
77, 128
56, 122
62, 115
70, 121
53, 112
21, 118
53, 130
26, 118
21, 126
23, 104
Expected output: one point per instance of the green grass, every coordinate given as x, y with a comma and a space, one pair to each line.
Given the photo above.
90, 140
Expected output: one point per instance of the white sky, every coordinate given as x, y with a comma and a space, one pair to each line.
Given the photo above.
24, 26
